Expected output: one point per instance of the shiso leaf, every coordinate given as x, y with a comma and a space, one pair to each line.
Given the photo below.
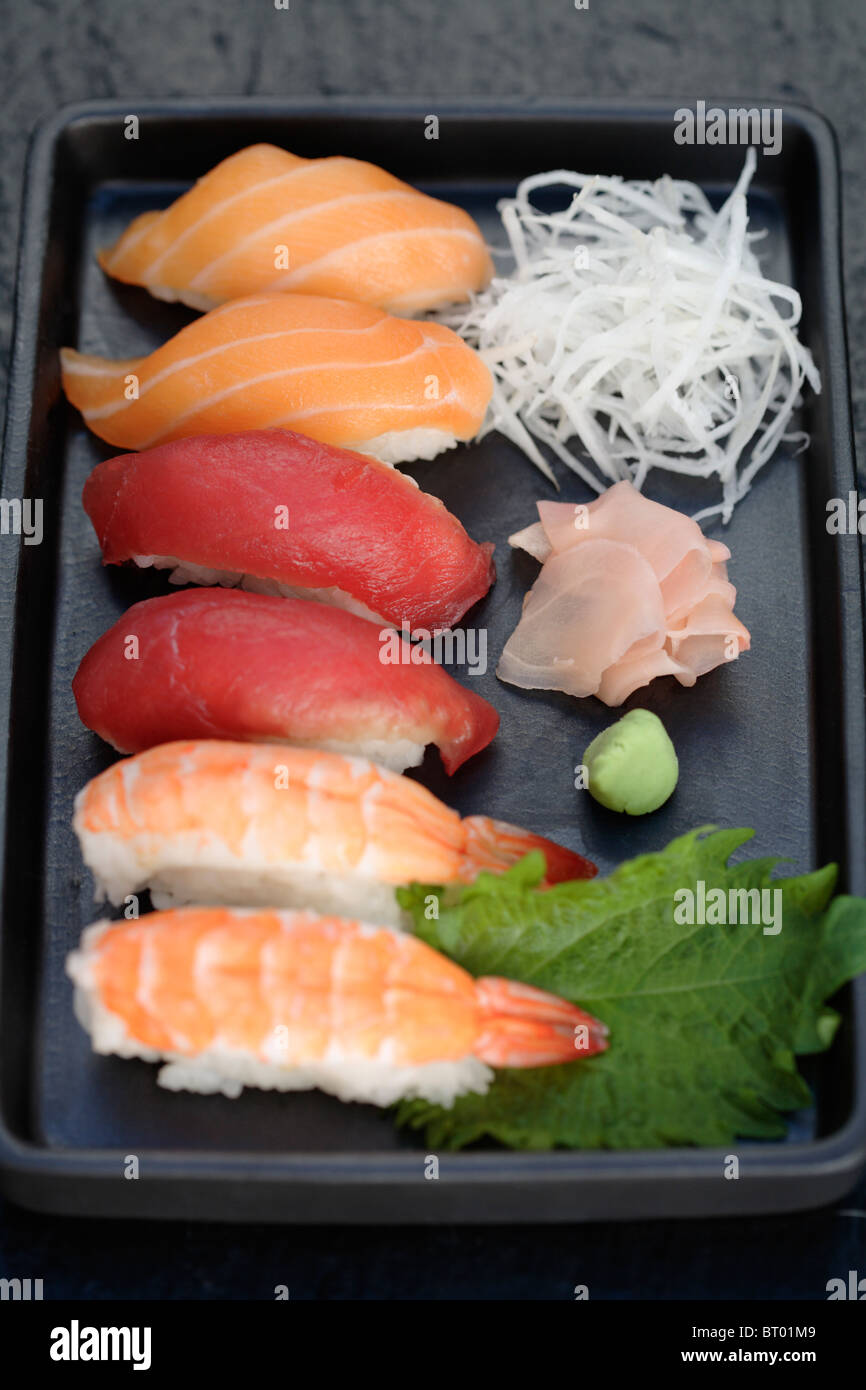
705, 1020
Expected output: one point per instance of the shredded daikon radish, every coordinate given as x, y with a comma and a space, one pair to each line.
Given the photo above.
637, 322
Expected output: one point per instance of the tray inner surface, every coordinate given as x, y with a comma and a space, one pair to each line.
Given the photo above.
755, 741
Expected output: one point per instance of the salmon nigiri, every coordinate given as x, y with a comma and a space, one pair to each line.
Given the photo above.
342, 373
279, 513
215, 663
264, 219
289, 1001
268, 824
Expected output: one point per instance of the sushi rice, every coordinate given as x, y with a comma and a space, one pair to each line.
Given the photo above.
185, 572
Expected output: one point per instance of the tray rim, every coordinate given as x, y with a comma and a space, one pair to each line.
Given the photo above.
836, 1157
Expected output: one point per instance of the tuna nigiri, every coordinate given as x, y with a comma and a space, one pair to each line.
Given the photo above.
288, 1001
266, 824
265, 219
222, 664
343, 373
278, 512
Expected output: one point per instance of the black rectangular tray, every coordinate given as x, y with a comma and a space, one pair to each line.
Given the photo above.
776, 743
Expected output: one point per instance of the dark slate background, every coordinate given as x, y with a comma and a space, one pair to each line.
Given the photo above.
810, 51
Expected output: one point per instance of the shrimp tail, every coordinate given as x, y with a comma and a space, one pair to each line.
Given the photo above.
495, 845
527, 1027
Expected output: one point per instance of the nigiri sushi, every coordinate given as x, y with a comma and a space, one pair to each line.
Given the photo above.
264, 219
267, 824
223, 664
344, 373
279, 513
289, 1001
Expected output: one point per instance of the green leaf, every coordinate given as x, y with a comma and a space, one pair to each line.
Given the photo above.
705, 1020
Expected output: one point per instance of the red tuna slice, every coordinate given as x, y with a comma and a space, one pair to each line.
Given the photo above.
220, 663
271, 508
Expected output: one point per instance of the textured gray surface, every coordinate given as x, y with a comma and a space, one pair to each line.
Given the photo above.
811, 51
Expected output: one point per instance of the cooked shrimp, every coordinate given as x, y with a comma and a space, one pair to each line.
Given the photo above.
288, 1000
270, 825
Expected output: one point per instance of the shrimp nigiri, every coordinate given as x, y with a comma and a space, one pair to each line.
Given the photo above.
289, 1001
343, 373
217, 663
264, 219
270, 825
